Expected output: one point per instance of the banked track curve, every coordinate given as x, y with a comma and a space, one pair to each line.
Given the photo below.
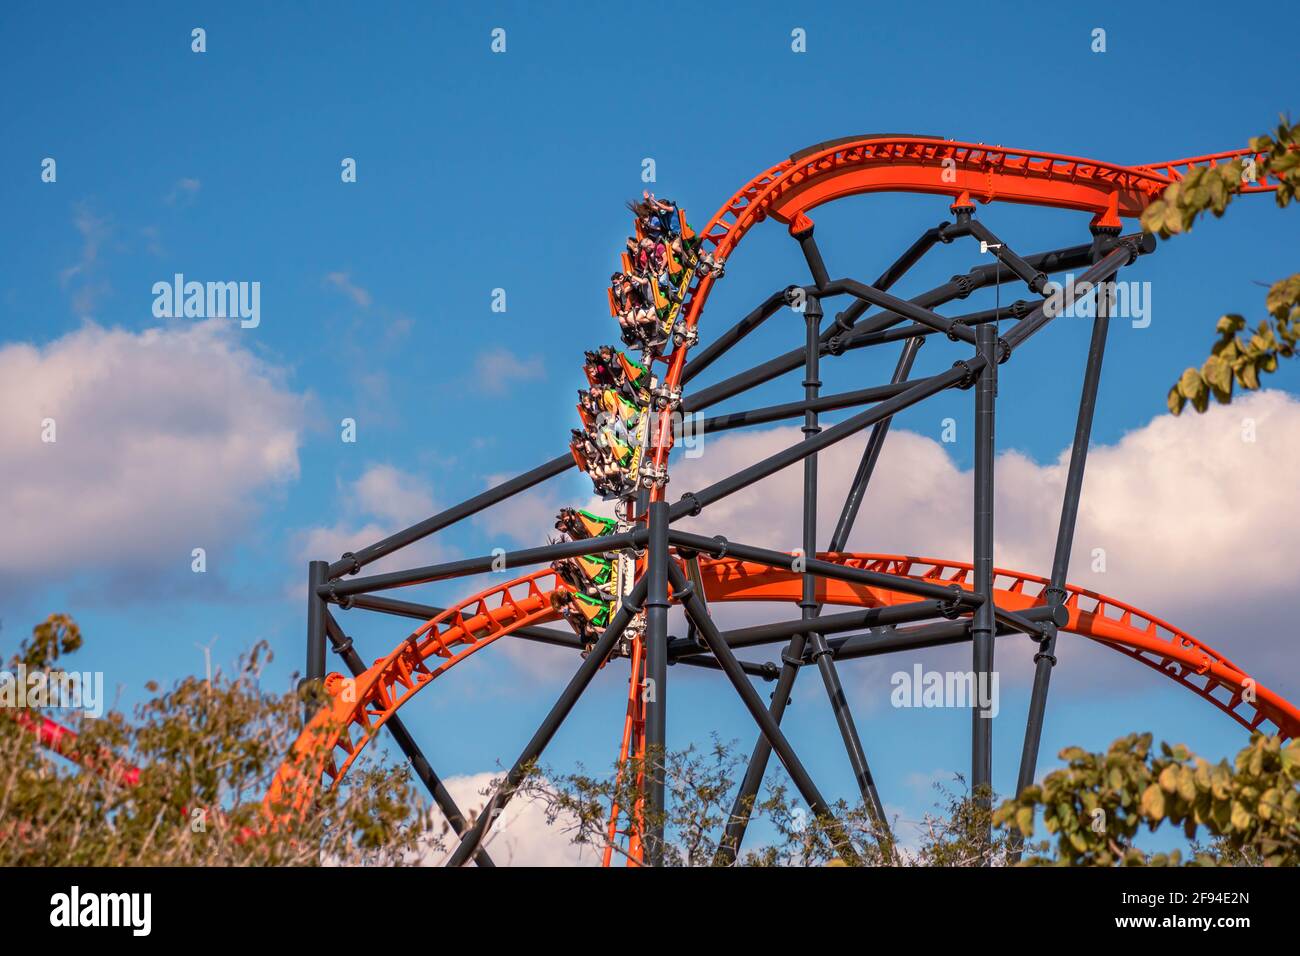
917, 164
358, 708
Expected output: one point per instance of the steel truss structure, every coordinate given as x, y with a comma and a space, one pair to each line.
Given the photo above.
898, 602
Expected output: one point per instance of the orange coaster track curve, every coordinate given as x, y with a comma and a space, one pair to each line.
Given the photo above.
357, 710
921, 164
787, 192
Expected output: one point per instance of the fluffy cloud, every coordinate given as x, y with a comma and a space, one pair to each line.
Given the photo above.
166, 440
497, 369
383, 500
184, 191
1196, 521
81, 279
343, 282
521, 836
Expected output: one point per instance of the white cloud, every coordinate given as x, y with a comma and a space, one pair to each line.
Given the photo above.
184, 191
1198, 526
167, 440
497, 369
383, 500
343, 282
521, 836
79, 278
393, 494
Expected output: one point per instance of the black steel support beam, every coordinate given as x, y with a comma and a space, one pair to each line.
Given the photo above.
792, 659
342, 645
983, 625
720, 547
865, 338
870, 454
880, 641
921, 390
473, 839
813, 256
1034, 278
824, 403
351, 564
760, 634
1045, 659
482, 564
1125, 251
961, 286
314, 672
754, 704
426, 612
846, 319
765, 671
719, 346
816, 640
738, 820
905, 309
958, 287
656, 679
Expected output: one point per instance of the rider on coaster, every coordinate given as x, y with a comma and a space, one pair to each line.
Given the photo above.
608, 368
635, 311
587, 616
658, 217
578, 523
588, 574
609, 400
633, 379
605, 459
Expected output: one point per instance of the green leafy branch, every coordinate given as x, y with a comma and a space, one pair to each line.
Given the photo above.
1097, 804
1235, 360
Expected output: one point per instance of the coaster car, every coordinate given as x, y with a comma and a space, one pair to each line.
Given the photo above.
579, 524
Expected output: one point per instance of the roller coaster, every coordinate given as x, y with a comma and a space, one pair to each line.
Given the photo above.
614, 578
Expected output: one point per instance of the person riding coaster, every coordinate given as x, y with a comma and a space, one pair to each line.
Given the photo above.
587, 616
614, 404
578, 524
588, 574
632, 302
608, 368
646, 335
598, 368
654, 218
589, 406
590, 457
606, 459
600, 407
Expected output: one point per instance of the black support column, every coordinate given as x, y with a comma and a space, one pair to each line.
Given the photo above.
1045, 659
983, 624
814, 642
656, 635
317, 574
472, 839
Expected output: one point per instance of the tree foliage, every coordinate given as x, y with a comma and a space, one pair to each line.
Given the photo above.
1098, 803
701, 788
206, 753
1239, 355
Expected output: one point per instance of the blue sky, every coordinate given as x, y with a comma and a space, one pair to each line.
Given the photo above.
479, 171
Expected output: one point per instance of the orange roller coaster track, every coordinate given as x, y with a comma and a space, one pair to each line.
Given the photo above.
358, 709
940, 602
